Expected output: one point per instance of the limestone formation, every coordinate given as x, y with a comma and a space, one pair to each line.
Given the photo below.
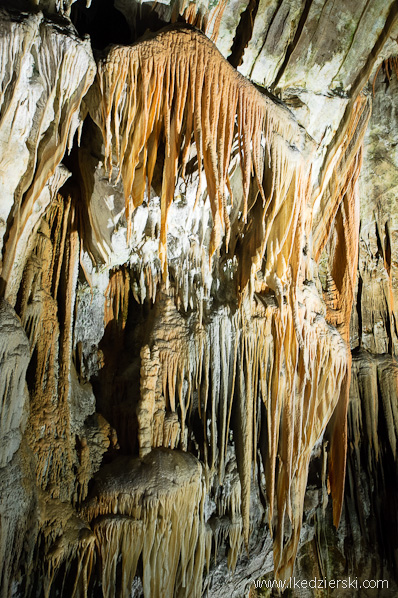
198, 337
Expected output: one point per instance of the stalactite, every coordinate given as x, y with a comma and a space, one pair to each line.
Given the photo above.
295, 363
235, 356
344, 259
340, 172
373, 432
192, 280
389, 66
225, 530
336, 227
177, 86
116, 297
152, 506
299, 385
65, 538
373, 395
98, 437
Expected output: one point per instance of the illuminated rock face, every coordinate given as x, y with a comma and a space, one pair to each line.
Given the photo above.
177, 295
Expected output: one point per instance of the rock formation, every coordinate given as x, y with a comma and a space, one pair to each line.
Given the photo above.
198, 382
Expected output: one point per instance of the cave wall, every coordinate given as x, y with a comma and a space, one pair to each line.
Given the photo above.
198, 333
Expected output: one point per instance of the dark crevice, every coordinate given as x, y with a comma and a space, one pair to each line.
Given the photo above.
102, 22
387, 249
244, 33
294, 42
107, 25
380, 250
388, 318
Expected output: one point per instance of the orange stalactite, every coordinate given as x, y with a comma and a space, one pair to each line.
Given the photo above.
116, 298
389, 66
341, 171
336, 228
178, 88
343, 252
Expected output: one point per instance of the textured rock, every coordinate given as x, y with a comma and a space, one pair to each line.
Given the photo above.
18, 520
374, 327
185, 273
14, 359
152, 506
39, 117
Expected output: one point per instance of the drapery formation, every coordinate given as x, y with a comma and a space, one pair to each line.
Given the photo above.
176, 88
163, 99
